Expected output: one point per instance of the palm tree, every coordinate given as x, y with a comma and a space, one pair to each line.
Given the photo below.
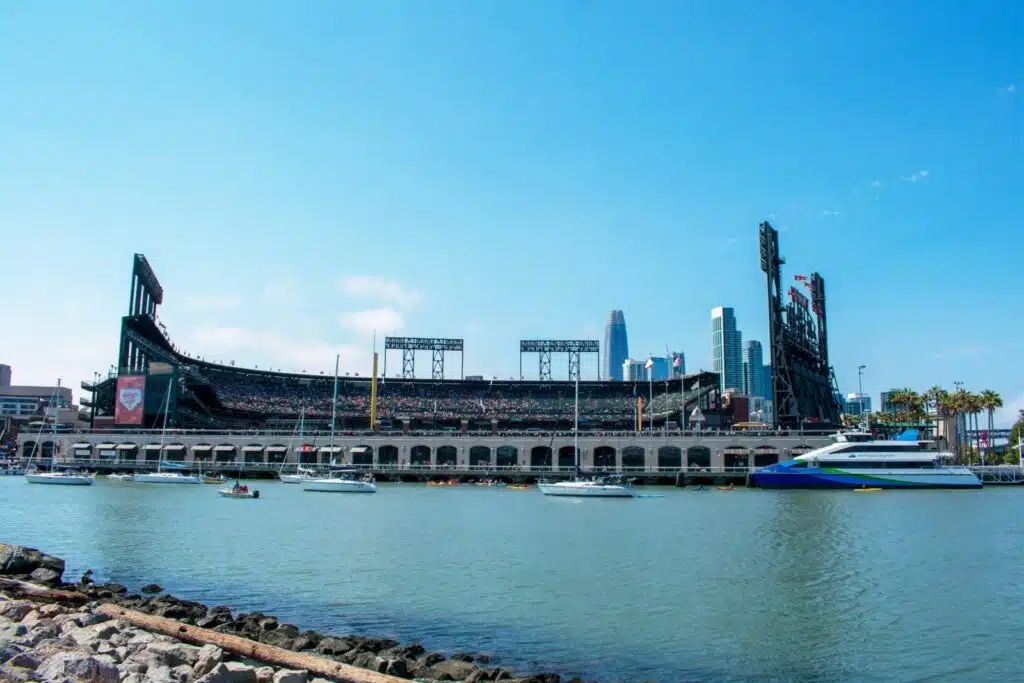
990, 401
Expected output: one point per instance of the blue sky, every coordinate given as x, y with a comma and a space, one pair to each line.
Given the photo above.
301, 173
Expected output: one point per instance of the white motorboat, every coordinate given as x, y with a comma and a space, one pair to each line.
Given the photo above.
238, 491
61, 478
598, 487
344, 481
166, 478
65, 478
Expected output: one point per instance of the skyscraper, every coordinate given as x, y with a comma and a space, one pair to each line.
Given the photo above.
726, 349
616, 345
753, 370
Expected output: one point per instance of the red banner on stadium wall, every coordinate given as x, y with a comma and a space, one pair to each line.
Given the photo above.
131, 394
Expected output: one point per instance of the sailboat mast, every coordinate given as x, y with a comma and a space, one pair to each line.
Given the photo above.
576, 430
56, 415
334, 404
163, 429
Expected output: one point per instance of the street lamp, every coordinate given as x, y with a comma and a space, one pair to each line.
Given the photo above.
860, 394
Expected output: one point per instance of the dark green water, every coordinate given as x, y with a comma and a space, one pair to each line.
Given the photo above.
704, 586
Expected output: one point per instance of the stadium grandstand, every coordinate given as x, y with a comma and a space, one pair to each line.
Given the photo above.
199, 394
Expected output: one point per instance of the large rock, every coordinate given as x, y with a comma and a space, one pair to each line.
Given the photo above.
264, 674
45, 576
15, 610
291, 676
209, 657
91, 636
170, 655
283, 636
334, 646
77, 666
230, 672
451, 670
307, 640
17, 559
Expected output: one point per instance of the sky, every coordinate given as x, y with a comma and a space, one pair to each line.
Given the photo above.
301, 175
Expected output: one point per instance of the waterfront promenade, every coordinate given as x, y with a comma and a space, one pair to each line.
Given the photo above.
532, 453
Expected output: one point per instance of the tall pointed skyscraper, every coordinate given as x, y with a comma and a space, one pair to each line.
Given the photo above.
616, 346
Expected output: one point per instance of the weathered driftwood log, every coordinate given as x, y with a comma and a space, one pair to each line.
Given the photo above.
30, 591
248, 648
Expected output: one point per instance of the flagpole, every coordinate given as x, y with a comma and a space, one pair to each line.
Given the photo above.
650, 403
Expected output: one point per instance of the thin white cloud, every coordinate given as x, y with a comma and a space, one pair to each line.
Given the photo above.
827, 212
915, 177
271, 350
876, 183
280, 291
1009, 89
375, 288
212, 302
382, 320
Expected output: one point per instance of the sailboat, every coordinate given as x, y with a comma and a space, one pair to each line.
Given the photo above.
598, 487
161, 476
65, 477
302, 474
340, 481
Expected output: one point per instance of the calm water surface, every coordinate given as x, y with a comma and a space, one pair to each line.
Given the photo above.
693, 586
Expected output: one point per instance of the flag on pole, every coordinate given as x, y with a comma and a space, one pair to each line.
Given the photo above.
678, 362
649, 364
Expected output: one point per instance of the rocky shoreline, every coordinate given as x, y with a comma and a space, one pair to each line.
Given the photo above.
46, 638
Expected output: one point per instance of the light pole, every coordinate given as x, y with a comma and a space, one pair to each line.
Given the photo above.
961, 432
860, 395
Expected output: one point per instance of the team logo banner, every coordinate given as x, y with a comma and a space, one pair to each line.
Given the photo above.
128, 408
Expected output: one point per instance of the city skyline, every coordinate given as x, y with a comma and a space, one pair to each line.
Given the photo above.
306, 179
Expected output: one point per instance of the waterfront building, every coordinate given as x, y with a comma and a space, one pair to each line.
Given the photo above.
726, 348
616, 345
887, 404
857, 404
27, 403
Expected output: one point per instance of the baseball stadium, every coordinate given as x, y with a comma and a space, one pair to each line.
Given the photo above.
162, 401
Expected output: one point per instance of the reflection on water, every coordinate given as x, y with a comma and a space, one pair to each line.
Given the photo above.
738, 586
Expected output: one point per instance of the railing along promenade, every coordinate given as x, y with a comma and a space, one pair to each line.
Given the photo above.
397, 433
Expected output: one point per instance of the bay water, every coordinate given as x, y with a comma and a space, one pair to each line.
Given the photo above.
744, 585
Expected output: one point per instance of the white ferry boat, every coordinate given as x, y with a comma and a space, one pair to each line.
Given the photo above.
857, 460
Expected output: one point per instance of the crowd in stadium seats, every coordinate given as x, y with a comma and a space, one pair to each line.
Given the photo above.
268, 395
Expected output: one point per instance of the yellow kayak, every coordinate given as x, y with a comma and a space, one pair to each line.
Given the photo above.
867, 490
517, 488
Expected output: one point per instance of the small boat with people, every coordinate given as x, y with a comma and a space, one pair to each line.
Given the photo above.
859, 461
239, 490
214, 479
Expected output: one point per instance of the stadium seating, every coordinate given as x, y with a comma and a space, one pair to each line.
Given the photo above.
274, 395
